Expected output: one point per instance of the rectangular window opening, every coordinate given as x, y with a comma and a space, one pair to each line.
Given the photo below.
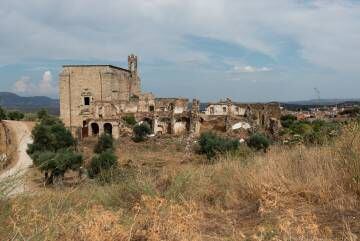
86, 100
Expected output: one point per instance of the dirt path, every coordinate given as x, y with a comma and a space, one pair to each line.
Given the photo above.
16, 172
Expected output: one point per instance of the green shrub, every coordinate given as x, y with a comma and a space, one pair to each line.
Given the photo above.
105, 142
102, 162
212, 144
301, 128
258, 142
15, 115
141, 131
129, 120
287, 120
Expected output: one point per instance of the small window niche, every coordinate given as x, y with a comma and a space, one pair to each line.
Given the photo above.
86, 100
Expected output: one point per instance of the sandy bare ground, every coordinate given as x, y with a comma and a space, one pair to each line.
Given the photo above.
15, 175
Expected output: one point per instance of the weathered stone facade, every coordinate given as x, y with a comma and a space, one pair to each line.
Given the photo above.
242, 115
95, 98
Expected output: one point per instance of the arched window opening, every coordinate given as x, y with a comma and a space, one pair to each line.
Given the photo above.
108, 128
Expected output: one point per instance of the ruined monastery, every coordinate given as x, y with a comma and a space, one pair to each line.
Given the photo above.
95, 99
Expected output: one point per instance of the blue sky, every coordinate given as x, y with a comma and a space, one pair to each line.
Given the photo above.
257, 50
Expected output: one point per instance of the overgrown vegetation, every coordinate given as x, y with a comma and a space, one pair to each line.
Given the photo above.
129, 120
309, 132
102, 162
212, 144
141, 131
104, 143
53, 149
289, 193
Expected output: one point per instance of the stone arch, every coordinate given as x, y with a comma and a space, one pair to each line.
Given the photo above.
95, 129
108, 128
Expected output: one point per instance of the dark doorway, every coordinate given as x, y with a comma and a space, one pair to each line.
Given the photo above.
95, 129
85, 129
108, 128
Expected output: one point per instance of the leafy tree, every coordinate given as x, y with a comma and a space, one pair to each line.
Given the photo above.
50, 135
16, 115
57, 163
141, 131
102, 162
2, 114
258, 142
212, 144
105, 142
53, 149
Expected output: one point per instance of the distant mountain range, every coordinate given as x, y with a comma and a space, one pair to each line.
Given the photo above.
13, 101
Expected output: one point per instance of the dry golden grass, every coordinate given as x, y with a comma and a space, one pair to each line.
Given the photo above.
298, 193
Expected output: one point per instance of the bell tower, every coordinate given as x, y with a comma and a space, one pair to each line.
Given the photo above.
132, 61
134, 85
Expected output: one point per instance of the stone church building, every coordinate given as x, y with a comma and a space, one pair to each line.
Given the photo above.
95, 98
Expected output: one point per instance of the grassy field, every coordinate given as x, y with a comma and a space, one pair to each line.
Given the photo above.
288, 193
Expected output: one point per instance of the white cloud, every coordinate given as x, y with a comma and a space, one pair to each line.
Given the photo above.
45, 86
250, 69
22, 85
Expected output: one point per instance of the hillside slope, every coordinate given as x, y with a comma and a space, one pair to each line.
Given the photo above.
28, 104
